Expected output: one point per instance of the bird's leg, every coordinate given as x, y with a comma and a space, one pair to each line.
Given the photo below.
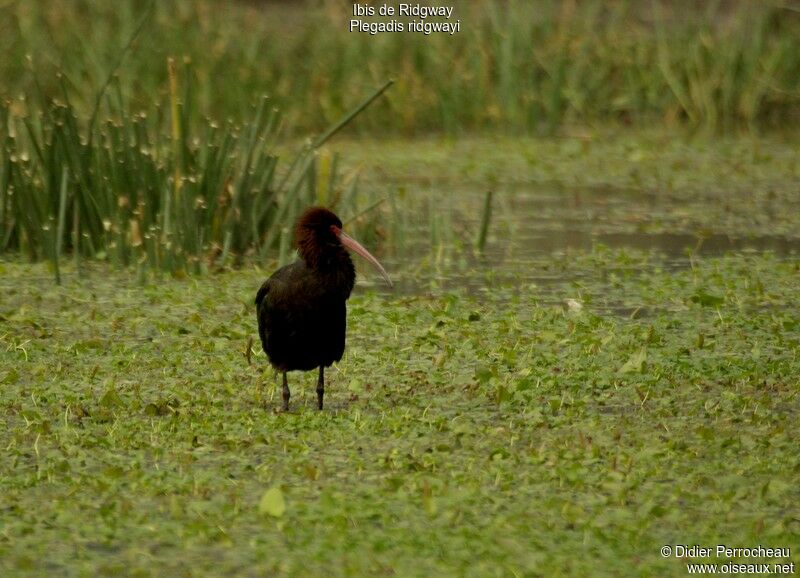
285, 393
320, 386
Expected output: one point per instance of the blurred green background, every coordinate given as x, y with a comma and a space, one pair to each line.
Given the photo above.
516, 66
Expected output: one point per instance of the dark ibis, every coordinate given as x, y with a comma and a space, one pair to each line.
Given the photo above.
301, 308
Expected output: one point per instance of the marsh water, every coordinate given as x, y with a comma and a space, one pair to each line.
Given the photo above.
546, 237
534, 227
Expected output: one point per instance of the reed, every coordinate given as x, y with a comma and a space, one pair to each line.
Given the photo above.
155, 190
486, 218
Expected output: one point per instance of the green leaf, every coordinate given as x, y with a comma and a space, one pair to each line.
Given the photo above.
636, 362
11, 376
706, 299
483, 375
111, 398
503, 394
272, 503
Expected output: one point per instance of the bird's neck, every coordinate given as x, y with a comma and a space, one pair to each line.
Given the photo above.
335, 265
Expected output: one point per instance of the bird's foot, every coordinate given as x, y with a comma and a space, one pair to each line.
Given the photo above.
320, 387
285, 393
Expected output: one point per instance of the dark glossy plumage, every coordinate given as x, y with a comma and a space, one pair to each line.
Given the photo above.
302, 318
301, 308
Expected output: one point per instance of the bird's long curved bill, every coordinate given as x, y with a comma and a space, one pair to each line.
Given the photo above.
356, 247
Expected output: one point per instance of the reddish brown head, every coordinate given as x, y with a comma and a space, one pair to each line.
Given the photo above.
321, 241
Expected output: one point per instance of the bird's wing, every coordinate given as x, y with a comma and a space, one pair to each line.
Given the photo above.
273, 310
262, 292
